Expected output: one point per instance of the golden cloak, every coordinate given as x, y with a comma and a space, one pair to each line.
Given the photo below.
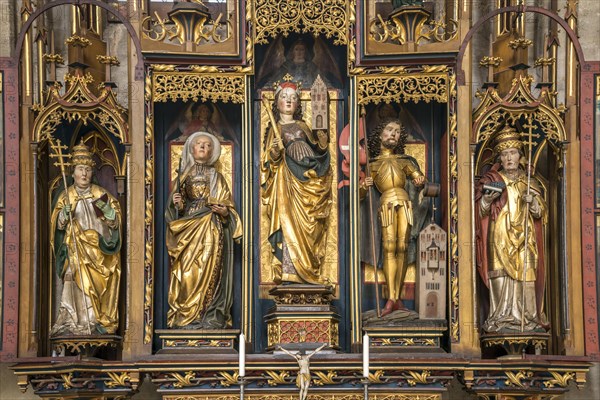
89, 250
297, 194
200, 244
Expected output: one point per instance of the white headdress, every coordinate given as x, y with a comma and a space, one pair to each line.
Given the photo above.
187, 157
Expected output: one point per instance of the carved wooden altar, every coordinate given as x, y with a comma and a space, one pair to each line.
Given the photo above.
134, 79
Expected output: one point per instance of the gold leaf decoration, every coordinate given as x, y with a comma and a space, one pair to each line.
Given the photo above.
404, 88
163, 67
118, 379
418, 377
67, 380
515, 379
324, 379
376, 377
193, 86
560, 380
277, 378
228, 379
274, 18
521, 42
183, 381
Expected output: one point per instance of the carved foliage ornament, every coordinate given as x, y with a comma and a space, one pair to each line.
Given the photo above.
494, 111
184, 28
400, 30
274, 17
205, 87
79, 104
403, 88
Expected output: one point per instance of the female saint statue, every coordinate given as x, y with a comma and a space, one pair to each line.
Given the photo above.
296, 188
201, 226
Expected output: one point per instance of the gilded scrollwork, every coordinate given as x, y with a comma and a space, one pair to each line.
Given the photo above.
303, 298
227, 379
421, 29
273, 18
418, 377
516, 378
118, 379
406, 342
377, 377
325, 378
559, 379
438, 30
403, 88
68, 380
181, 381
180, 29
196, 86
277, 378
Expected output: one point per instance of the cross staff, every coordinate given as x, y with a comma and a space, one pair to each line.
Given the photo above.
530, 127
59, 155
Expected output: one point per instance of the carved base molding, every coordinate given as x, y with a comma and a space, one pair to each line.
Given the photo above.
410, 336
302, 315
515, 344
85, 346
269, 376
188, 341
346, 395
535, 377
71, 378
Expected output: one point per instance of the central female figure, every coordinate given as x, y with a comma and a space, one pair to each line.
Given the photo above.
296, 189
201, 225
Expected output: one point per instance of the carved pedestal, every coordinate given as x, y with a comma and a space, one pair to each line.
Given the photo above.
186, 341
85, 346
302, 315
515, 344
408, 336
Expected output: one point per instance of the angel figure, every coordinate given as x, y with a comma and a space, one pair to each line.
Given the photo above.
303, 378
301, 57
200, 117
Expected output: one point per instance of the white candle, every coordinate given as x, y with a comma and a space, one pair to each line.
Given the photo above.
366, 356
242, 355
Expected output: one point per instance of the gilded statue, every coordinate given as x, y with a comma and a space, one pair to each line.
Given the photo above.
86, 243
390, 169
202, 224
296, 189
511, 213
